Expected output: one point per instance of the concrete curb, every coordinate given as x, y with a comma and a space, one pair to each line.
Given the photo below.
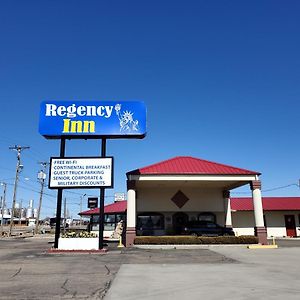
188, 247
60, 251
262, 247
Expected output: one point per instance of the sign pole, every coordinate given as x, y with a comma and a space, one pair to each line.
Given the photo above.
102, 196
59, 197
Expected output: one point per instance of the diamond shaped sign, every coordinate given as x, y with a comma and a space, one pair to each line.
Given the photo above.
180, 199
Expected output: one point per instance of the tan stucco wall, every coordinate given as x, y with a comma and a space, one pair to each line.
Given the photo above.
243, 222
200, 200
159, 199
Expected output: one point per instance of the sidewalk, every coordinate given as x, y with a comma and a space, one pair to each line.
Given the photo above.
257, 274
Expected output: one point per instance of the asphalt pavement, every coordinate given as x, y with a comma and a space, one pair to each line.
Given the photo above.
253, 274
27, 271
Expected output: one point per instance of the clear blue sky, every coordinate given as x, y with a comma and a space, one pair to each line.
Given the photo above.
220, 80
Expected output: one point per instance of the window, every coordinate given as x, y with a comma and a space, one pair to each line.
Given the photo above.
95, 219
109, 226
119, 218
211, 225
110, 221
150, 221
207, 216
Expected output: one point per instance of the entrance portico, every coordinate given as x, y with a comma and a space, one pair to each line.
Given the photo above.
162, 195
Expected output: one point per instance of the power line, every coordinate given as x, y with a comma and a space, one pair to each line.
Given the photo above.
25, 182
32, 157
4, 179
7, 169
280, 187
33, 189
6, 140
271, 189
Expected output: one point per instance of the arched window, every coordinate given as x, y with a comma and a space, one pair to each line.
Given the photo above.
207, 216
150, 221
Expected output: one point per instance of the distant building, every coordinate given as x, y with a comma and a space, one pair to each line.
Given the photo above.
113, 214
6, 218
281, 216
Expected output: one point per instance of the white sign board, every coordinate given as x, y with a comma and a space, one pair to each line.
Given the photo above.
119, 197
81, 172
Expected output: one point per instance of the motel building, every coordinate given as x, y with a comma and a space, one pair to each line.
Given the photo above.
187, 188
163, 197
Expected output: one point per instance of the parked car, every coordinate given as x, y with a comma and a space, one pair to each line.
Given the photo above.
206, 228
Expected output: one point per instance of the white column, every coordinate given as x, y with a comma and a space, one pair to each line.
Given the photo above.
131, 208
228, 220
257, 203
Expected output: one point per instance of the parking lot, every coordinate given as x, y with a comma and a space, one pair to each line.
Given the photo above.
27, 271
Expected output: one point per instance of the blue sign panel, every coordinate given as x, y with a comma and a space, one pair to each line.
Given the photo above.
92, 119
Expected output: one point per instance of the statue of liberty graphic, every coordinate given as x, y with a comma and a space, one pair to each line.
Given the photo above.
127, 124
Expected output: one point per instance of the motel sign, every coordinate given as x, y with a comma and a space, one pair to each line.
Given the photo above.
92, 119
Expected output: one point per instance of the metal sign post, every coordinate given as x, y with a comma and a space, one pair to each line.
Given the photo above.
102, 196
59, 198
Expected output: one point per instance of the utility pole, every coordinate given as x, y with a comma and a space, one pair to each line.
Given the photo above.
81, 197
20, 212
19, 167
2, 215
65, 214
41, 179
2, 206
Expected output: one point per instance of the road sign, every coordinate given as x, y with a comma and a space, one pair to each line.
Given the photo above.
81, 172
92, 202
119, 197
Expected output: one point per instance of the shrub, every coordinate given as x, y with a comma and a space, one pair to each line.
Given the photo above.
194, 240
79, 234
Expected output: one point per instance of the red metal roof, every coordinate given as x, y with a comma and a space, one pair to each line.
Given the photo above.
117, 207
190, 165
238, 204
269, 203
